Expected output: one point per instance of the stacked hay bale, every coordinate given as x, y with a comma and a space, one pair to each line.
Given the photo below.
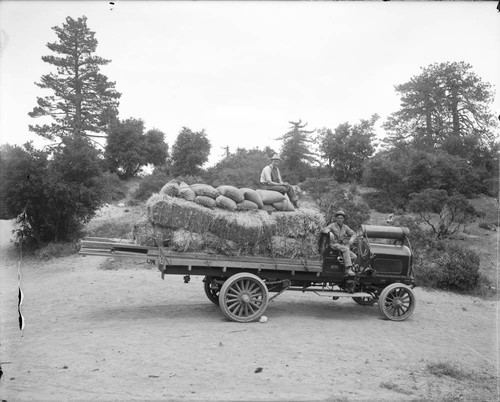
229, 221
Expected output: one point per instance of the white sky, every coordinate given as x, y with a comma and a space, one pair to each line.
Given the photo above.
243, 70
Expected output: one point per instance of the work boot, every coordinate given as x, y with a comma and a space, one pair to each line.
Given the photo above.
349, 272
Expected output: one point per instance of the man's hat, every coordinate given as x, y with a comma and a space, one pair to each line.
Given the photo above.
275, 157
340, 213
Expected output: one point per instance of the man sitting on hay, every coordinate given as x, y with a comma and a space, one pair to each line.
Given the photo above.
270, 179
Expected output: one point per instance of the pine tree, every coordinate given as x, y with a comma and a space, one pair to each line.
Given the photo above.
296, 150
83, 102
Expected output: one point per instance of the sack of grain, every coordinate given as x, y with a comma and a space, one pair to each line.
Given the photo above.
246, 205
205, 201
225, 203
231, 192
269, 208
186, 192
284, 205
171, 188
205, 190
252, 195
270, 197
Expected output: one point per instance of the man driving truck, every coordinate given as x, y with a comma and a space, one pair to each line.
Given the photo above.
339, 239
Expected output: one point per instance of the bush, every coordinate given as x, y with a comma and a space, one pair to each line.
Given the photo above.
149, 185
455, 268
55, 250
316, 187
453, 211
115, 189
459, 269
382, 202
52, 194
420, 239
356, 212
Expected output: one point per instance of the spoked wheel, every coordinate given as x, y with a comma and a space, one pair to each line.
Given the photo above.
212, 289
243, 297
364, 301
397, 302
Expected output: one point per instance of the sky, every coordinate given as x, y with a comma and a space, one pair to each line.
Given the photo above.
243, 70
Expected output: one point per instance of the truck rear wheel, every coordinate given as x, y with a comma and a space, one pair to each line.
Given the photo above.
397, 302
212, 289
243, 297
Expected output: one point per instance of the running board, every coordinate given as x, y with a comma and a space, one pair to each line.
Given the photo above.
338, 293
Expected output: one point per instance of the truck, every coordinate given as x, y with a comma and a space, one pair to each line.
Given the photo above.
242, 286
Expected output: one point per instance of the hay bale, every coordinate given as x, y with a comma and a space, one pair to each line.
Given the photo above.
286, 247
145, 233
270, 197
184, 240
225, 203
245, 228
171, 188
205, 190
246, 205
186, 192
284, 205
253, 196
177, 213
231, 192
205, 201
299, 224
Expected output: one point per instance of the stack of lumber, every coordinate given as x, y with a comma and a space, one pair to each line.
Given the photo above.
230, 221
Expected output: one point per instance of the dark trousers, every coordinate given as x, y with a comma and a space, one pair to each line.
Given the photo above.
283, 189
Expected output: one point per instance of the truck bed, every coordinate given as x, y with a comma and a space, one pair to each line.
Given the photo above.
164, 257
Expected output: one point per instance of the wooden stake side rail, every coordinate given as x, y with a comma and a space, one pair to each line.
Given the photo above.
164, 256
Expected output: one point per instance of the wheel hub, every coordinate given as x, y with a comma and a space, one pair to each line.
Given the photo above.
398, 303
245, 298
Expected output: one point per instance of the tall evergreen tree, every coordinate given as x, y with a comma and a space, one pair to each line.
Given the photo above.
447, 107
83, 102
296, 150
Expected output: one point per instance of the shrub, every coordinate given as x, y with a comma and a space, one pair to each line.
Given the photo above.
149, 185
55, 250
451, 268
316, 187
453, 211
52, 194
420, 238
459, 269
191, 179
115, 189
357, 212
488, 226
382, 202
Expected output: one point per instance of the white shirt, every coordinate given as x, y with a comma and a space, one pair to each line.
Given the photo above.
265, 176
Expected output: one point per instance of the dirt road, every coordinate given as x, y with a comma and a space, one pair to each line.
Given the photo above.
99, 329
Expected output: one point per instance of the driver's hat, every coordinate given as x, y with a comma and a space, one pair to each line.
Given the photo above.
340, 213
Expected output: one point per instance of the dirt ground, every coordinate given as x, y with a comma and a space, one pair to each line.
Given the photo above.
100, 329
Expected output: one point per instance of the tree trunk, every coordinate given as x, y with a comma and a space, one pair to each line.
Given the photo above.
78, 94
454, 113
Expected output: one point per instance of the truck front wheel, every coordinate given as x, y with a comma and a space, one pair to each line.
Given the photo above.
397, 302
